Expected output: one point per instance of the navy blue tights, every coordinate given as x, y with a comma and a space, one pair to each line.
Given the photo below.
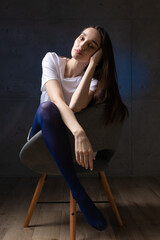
54, 132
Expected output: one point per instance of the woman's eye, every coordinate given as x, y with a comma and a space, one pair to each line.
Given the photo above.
91, 46
82, 38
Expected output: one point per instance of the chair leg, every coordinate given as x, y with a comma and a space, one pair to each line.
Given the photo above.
110, 197
72, 217
35, 199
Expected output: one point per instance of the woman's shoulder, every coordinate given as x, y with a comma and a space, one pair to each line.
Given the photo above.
51, 56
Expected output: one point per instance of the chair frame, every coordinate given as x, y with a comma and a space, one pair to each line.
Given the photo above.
72, 204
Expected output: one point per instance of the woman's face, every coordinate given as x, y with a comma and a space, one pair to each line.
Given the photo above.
86, 45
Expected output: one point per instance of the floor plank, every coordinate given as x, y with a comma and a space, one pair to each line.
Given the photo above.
137, 198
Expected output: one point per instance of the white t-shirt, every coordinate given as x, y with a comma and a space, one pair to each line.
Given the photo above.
53, 67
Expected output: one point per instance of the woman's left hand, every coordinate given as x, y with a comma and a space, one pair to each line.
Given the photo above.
96, 57
83, 150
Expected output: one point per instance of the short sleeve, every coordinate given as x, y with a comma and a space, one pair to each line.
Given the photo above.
49, 69
93, 84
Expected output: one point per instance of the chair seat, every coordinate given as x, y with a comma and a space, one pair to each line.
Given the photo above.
37, 157
104, 140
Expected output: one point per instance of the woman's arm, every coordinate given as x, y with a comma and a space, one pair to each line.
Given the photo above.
56, 95
83, 150
82, 95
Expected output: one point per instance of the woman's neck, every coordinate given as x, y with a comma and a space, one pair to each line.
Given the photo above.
74, 68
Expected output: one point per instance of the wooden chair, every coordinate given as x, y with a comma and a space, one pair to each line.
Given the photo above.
104, 140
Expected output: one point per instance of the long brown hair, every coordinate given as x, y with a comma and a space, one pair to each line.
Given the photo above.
107, 88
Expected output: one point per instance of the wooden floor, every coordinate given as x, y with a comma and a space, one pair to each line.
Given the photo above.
138, 201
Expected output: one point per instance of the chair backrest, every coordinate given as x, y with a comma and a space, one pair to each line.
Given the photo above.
100, 135
37, 157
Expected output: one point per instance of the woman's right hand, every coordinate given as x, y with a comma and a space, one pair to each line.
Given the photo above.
83, 150
97, 56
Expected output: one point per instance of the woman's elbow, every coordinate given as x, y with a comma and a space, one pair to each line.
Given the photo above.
75, 108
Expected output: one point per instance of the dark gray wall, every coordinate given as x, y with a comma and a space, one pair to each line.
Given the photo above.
29, 29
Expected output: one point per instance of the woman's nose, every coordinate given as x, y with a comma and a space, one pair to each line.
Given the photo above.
83, 45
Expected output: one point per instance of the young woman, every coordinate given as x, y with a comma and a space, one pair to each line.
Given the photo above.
68, 86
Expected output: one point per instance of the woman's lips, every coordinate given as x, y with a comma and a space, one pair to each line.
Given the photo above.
78, 51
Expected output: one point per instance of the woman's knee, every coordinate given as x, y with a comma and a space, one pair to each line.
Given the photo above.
48, 110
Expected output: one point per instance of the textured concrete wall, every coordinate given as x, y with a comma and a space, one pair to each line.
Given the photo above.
29, 29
